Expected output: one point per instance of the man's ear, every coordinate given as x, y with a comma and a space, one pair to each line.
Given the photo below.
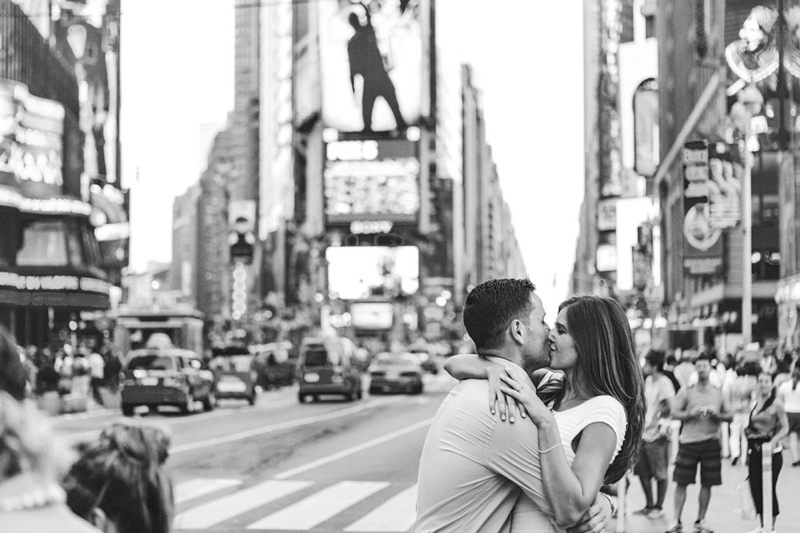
517, 331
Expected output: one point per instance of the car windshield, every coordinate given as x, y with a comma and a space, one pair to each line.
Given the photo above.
152, 362
232, 363
316, 356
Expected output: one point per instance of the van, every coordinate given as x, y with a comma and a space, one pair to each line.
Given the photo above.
327, 365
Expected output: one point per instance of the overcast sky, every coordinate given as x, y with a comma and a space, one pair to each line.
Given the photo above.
177, 74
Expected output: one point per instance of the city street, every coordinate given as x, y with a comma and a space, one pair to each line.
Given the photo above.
282, 466
342, 466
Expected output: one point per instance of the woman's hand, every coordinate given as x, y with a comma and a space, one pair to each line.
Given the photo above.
525, 394
499, 401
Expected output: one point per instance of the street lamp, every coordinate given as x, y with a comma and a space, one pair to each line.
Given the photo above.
742, 112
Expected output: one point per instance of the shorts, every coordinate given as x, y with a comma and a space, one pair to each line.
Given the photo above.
654, 460
708, 453
794, 422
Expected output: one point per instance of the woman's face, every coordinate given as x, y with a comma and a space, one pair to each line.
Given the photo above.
563, 353
765, 384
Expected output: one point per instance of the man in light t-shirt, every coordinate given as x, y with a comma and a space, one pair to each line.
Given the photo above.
654, 459
474, 466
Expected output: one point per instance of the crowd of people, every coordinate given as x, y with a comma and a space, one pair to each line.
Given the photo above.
716, 408
85, 370
116, 482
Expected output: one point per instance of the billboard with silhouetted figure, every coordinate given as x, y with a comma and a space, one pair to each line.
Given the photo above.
371, 54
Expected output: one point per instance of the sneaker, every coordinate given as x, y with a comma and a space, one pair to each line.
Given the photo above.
677, 527
655, 513
700, 527
757, 530
646, 510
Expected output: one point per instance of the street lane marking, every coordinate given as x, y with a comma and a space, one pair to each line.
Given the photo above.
195, 488
354, 449
70, 439
225, 508
319, 507
395, 515
277, 427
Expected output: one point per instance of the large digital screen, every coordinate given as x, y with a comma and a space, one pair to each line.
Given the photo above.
368, 315
357, 272
371, 180
371, 63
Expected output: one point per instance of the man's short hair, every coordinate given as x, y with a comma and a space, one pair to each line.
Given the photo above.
491, 306
656, 359
705, 356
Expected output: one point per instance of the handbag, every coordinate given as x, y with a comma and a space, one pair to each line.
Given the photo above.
747, 508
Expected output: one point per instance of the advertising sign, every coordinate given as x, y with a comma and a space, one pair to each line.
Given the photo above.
702, 248
373, 316
371, 63
724, 185
607, 215
371, 180
31, 130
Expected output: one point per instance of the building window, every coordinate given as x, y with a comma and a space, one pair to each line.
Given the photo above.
44, 243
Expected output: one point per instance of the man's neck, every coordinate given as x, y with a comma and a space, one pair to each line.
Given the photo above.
703, 382
503, 354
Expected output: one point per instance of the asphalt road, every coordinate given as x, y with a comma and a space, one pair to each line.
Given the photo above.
328, 466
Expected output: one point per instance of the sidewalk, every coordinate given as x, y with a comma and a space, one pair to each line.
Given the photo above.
723, 515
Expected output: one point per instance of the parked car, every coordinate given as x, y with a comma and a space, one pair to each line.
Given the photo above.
235, 370
399, 372
166, 376
327, 365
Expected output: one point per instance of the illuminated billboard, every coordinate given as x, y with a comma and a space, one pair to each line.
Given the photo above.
358, 272
702, 243
31, 151
371, 56
369, 315
371, 180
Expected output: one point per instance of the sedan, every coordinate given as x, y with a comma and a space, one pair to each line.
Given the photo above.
400, 372
156, 377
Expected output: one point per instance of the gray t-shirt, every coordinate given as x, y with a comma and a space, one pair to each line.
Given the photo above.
705, 427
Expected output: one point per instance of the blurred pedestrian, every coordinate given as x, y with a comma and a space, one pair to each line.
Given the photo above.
120, 484
653, 461
31, 500
97, 372
789, 393
12, 371
768, 424
702, 408
669, 370
685, 367
740, 396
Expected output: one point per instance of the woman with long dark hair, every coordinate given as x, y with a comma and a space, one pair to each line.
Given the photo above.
590, 429
768, 424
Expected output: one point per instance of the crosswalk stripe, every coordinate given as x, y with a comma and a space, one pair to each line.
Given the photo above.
195, 488
395, 515
319, 507
225, 508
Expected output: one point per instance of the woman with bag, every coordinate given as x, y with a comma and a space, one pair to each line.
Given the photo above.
768, 424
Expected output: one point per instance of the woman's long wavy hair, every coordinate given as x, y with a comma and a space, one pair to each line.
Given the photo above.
608, 365
123, 473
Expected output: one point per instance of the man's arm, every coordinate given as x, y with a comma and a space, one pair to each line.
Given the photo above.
679, 407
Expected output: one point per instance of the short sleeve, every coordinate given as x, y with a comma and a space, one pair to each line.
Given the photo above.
608, 410
665, 389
